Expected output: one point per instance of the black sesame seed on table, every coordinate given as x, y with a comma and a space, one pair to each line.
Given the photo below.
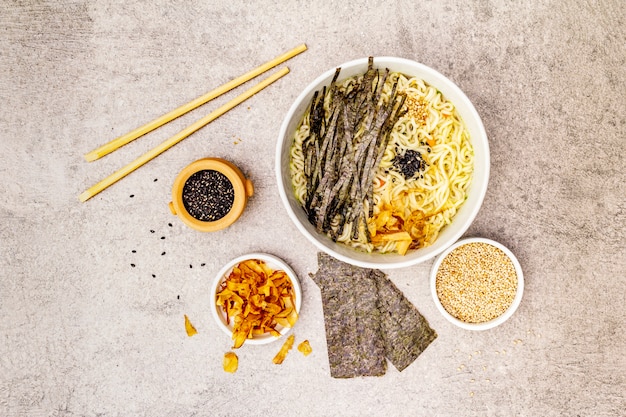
208, 195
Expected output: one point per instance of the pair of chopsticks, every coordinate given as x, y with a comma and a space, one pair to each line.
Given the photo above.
148, 127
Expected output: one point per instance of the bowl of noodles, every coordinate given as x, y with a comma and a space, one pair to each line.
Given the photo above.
382, 162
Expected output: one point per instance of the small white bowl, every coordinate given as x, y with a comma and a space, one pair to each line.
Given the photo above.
272, 262
488, 324
449, 234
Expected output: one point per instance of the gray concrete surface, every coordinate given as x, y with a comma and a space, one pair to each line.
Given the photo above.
84, 333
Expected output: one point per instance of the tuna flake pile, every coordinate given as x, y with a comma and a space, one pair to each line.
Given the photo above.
367, 319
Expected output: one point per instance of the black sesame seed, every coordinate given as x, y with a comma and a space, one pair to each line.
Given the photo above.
132, 195
162, 237
409, 164
178, 297
133, 251
208, 195
151, 231
133, 265
163, 253
202, 264
190, 266
153, 276
156, 179
169, 224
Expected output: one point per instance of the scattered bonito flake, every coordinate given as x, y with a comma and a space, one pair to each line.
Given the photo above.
282, 353
189, 328
305, 348
231, 362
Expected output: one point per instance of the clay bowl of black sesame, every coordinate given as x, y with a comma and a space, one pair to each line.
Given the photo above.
210, 194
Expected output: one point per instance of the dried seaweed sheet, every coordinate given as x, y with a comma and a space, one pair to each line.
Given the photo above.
405, 331
367, 319
355, 345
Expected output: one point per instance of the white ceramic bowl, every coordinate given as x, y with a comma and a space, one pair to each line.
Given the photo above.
464, 216
488, 324
274, 263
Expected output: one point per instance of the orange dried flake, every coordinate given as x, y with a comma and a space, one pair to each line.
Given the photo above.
257, 300
189, 328
230, 362
282, 353
305, 348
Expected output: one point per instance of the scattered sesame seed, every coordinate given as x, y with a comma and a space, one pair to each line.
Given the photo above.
162, 237
153, 276
162, 253
133, 251
151, 231
133, 265
169, 224
202, 264
132, 195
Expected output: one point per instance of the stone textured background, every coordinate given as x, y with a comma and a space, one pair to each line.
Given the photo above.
83, 333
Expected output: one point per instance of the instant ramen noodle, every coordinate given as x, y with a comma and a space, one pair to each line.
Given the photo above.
381, 161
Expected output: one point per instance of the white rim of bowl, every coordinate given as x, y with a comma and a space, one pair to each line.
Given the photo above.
273, 262
488, 324
312, 86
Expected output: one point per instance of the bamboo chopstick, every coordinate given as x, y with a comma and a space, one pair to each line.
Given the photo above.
148, 156
150, 126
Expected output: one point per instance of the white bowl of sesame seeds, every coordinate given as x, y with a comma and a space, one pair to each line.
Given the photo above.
477, 283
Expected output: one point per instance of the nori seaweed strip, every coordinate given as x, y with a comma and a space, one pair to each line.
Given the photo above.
393, 108
349, 133
310, 145
329, 173
345, 160
405, 331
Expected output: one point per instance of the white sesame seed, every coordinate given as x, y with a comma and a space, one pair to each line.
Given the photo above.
476, 282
